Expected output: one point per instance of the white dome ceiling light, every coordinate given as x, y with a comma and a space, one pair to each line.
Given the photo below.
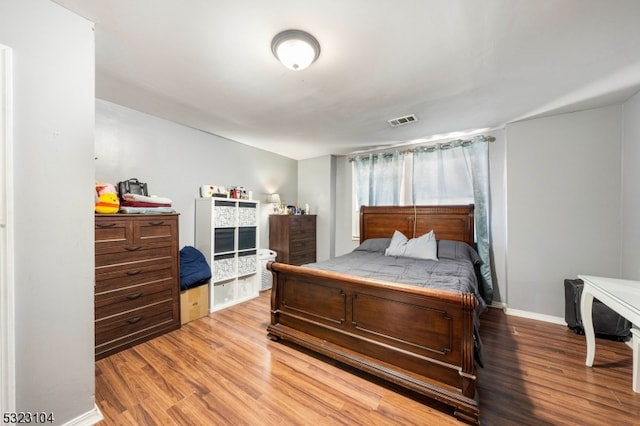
295, 49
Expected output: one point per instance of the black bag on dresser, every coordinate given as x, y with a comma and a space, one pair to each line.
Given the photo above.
132, 186
607, 323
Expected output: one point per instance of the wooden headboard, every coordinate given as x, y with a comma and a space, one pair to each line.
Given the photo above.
447, 222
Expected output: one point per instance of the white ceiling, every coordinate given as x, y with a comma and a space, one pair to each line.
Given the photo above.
459, 65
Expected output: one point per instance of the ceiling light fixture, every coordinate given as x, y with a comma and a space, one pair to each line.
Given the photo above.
295, 49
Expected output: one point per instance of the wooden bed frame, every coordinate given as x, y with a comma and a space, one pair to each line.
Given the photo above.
418, 338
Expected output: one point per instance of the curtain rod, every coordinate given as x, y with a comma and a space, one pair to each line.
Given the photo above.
429, 147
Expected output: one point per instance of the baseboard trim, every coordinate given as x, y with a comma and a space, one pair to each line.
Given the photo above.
89, 418
534, 316
498, 305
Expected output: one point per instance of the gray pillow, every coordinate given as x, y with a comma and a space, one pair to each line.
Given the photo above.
423, 247
458, 250
374, 244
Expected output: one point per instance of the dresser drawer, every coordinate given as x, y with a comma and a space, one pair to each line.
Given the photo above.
112, 232
116, 345
117, 231
130, 322
154, 230
303, 236
110, 278
303, 246
133, 297
302, 223
128, 256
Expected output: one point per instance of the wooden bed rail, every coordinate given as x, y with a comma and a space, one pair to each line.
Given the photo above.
418, 338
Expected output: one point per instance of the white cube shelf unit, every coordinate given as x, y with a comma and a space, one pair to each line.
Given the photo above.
227, 234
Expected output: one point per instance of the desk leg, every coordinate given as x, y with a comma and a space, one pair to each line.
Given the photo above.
586, 303
635, 345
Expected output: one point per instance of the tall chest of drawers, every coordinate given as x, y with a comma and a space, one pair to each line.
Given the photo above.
293, 238
137, 279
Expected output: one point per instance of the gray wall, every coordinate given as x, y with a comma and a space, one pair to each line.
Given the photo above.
53, 90
631, 189
344, 207
497, 157
556, 190
316, 187
175, 161
563, 205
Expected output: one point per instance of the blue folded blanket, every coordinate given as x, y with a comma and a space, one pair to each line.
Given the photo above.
194, 269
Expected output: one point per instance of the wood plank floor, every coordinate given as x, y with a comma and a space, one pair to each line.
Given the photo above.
223, 370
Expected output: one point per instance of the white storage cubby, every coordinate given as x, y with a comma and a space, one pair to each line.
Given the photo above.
226, 232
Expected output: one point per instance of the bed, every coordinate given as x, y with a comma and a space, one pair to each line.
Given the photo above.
423, 339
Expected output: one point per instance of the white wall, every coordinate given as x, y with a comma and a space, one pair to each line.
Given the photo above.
316, 187
53, 57
631, 189
563, 205
174, 160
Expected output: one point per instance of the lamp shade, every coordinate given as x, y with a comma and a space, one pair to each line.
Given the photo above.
295, 49
273, 198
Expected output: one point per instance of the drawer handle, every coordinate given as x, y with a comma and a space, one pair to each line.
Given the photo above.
134, 296
136, 272
133, 248
156, 222
105, 225
135, 320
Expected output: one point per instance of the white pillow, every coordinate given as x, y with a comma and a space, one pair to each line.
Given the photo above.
424, 247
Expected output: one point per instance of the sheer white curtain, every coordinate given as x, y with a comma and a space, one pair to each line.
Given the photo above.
455, 172
458, 173
442, 175
378, 179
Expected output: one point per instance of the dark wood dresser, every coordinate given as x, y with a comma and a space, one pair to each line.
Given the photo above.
137, 279
293, 238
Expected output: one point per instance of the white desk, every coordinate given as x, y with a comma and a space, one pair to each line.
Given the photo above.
623, 296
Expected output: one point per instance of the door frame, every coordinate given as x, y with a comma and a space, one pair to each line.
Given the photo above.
7, 285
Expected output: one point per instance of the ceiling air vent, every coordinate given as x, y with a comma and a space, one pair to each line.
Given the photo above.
401, 121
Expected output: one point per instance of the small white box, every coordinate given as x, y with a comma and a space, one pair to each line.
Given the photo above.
223, 293
224, 268
247, 216
225, 216
246, 286
247, 264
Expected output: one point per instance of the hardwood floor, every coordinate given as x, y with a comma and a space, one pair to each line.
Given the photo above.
222, 369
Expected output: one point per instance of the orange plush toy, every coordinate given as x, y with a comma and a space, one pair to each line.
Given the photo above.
107, 199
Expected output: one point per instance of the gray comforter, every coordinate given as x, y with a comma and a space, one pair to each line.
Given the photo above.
454, 275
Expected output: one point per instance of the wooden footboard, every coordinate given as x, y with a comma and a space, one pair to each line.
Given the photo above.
418, 338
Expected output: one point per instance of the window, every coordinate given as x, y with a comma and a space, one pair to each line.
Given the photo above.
455, 172
422, 176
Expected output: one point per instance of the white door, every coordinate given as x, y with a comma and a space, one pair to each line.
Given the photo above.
7, 321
